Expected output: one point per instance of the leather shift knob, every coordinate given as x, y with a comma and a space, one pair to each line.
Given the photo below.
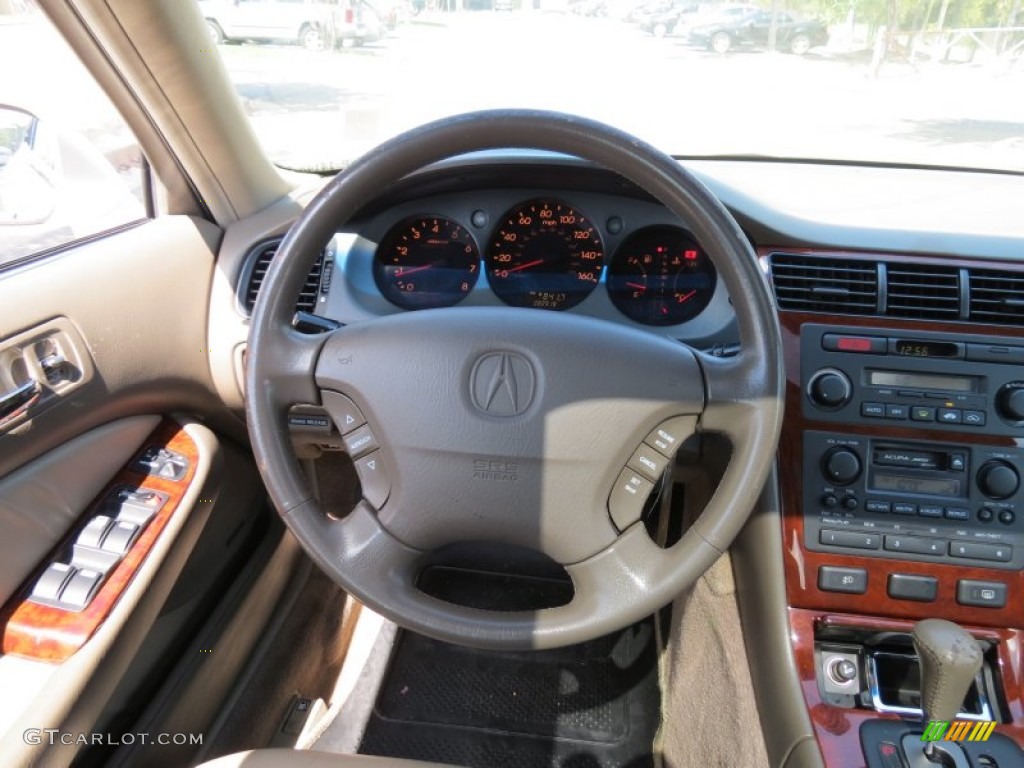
950, 658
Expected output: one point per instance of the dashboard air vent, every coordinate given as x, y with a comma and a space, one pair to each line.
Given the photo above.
924, 291
816, 284
997, 296
264, 254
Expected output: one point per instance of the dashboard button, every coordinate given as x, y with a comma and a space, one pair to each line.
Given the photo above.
957, 462
903, 508
373, 477
872, 410
929, 511
836, 342
1006, 516
360, 442
984, 594
829, 501
627, 499
958, 513
974, 418
851, 539
915, 545
50, 583
922, 413
648, 462
344, 412
669, 435
1001, 553
832, 578
905, 586
986, 515
950, 415
898, 412
880, 507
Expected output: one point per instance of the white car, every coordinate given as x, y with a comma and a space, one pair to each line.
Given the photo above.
314, 24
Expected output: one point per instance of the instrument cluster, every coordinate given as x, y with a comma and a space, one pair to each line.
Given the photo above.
546, 253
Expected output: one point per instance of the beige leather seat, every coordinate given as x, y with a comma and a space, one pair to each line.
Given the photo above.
291, 758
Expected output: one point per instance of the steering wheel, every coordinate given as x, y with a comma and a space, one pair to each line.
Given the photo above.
513, 425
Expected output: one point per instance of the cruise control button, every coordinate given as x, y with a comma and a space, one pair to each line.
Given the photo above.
648, 462
984, 594
627, 499
850, 539
92, 534
915, 545
1002, 553
344, 412
669, 435
832, 578
373, 477
80, 589
120, 537
360, 442
49, 585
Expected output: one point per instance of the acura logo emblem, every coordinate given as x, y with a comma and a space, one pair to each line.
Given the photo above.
502, 383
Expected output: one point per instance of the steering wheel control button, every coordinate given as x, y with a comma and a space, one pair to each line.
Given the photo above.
309, 419
668, 436
851, 539
51, 582
905, 586
120, 537
648, 462
80, 589
344, 412
92, 534
982, 594
626, 502
373, 477
832, 578
360, 442
1001, 553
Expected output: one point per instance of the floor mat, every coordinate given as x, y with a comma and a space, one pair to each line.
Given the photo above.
595, 705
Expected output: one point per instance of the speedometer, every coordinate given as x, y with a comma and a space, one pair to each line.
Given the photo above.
544, 254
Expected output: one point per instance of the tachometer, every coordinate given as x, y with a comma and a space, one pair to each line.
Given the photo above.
544, 254
660, 276
426, 261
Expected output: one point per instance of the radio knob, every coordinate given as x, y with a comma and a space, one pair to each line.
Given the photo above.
830, 388
1010, 402
841, 466
998, 479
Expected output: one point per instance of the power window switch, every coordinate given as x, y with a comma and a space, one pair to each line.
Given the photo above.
49, 585
92, 534
120, 537
80, 589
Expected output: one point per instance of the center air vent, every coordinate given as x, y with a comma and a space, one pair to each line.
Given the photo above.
260, 259
814, 284
924, 291
997, 296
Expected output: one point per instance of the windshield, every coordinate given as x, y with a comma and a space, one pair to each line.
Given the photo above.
931, 82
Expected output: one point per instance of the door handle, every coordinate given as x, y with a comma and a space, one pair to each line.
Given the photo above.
13, 403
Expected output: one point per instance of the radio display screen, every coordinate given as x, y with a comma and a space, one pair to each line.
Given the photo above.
921, 381
934, 486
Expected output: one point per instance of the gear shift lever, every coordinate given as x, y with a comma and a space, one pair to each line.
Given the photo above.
949, 659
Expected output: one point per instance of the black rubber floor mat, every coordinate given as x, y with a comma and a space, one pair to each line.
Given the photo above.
595, 705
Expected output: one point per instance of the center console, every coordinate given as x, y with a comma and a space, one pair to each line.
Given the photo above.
900, 468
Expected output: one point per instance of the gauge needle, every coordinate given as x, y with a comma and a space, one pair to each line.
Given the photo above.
527, 265
637, 286
687, 296
402, 272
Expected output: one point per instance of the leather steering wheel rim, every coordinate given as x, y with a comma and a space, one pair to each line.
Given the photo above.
618, 576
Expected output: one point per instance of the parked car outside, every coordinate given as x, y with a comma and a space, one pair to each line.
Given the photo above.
314, 24
681, 19
754, 28
664, 22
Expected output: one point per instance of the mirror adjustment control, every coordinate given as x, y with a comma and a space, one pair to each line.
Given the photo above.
92, 534
627, 499
51, 582
158, 461
373, 477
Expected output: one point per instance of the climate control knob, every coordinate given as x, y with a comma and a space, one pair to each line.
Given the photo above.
829, 388
1010, 401
841, 466
998, 479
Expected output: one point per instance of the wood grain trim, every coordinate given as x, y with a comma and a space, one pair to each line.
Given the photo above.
838, 730
50, 634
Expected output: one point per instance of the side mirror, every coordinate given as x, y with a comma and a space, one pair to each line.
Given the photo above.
29, 168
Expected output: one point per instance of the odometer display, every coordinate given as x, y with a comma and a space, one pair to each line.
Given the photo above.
544, 254
660, 276
426, 261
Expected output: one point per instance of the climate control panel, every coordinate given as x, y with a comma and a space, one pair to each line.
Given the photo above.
913, 500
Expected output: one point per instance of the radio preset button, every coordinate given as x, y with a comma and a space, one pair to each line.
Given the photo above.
873, 410
850, 539
958, 513
974, 418
950, 415
880, 507
922, 413
903, 508
898, 412
929, 511
915, 545
1002, 553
